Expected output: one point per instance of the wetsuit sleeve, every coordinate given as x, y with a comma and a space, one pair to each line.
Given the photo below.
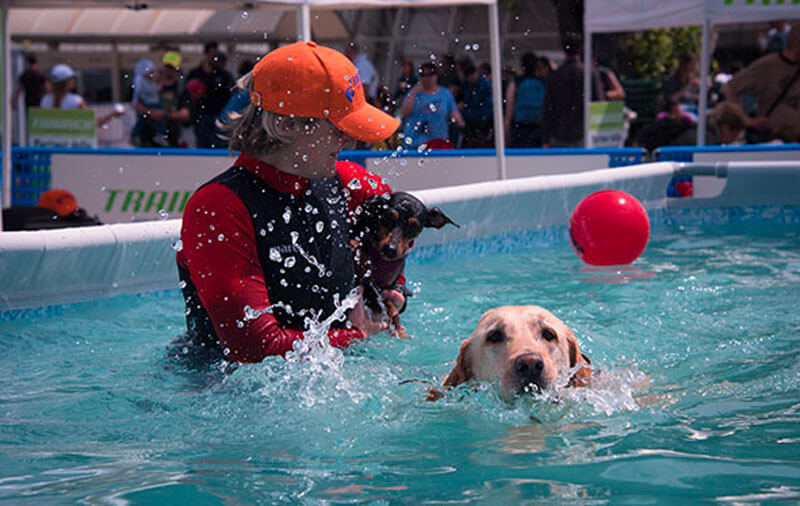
219, 250
359, 183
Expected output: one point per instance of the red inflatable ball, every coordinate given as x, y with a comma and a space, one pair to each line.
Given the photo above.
609, 227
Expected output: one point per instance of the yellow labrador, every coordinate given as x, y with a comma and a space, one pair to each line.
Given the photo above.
522, 348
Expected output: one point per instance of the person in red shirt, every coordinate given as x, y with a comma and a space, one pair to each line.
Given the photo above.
265, 248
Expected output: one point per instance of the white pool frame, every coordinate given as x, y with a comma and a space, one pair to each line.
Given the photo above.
52, 267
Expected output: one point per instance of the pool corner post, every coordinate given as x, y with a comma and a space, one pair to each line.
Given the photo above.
5, 110
497, 92
304, 22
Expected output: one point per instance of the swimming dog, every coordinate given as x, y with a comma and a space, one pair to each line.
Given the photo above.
521, 348
382, 238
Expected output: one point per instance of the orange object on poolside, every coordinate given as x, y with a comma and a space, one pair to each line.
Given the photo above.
312, 81
63, 202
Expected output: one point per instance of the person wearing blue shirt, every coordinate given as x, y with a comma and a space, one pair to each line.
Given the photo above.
426, 110
476, 108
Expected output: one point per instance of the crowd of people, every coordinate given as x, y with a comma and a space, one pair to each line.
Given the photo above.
446, 103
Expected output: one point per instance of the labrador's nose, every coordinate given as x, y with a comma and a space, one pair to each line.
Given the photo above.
529, 367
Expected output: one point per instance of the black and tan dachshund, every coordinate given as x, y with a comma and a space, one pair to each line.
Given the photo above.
382, 237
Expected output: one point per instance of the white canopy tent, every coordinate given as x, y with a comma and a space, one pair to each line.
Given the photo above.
303, 9
603, 16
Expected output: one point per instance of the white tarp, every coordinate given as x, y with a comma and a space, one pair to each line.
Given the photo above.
603, 16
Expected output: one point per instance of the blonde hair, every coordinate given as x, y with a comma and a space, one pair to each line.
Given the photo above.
259, 132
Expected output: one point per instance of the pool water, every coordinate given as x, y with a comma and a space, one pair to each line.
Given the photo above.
699, 396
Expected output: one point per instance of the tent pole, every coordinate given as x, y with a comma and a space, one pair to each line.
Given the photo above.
497, 92
587, 78
5, 109
304, 22
705, 63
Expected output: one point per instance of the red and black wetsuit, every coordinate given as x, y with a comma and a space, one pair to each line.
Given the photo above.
255, 236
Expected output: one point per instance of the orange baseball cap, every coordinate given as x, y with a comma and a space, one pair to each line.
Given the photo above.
312, 81
61, 201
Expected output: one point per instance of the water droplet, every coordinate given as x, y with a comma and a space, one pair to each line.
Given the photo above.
325, 112
408, 140
163, 214
320, 227
275, 255
432, 107
177, 245
121, 170
262, 232
270, 226
295, 235
220, 237
305, 158
287, 215
355, 184
289, 262
182, 284
372, 183
280, 104
245, 15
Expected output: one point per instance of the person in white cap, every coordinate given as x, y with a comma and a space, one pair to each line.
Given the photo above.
62, 78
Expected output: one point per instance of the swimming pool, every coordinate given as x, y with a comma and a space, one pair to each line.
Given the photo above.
699, 397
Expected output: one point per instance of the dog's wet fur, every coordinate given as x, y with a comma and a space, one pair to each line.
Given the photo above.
522, 349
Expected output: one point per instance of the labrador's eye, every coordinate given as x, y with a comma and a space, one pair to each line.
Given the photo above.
495, 337
549, 335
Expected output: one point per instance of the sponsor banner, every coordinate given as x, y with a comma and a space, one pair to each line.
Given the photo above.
606, 124
61, 127
120, 188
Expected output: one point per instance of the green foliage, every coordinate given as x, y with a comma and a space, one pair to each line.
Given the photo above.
655, 53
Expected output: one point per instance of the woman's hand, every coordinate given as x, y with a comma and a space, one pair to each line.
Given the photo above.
365, 320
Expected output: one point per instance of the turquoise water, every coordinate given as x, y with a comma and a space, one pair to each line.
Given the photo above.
699, 396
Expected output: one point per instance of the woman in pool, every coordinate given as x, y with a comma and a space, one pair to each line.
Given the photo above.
272, 231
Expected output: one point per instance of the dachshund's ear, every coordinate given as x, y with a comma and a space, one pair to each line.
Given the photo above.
462, 371
435, 218
581, 377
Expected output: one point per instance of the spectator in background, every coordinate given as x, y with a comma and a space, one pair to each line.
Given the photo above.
524, 100
210, 86
611, 85
776, 37
731, 121
366, 70
62, 79
427, 110
56, 208
774, 79
683, 85
673, 127
476, 109
32, 83
174, 99
408, 78
562, 110
148, 131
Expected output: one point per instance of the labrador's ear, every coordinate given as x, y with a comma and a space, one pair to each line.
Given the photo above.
435, 218
462, 371
581, 377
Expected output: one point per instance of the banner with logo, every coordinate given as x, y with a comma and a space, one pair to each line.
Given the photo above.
62, 127
606, 124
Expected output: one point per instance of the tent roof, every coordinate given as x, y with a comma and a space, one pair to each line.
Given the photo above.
179, 19
175, 24
634, 15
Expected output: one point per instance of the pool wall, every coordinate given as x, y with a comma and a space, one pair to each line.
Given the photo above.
54, 267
